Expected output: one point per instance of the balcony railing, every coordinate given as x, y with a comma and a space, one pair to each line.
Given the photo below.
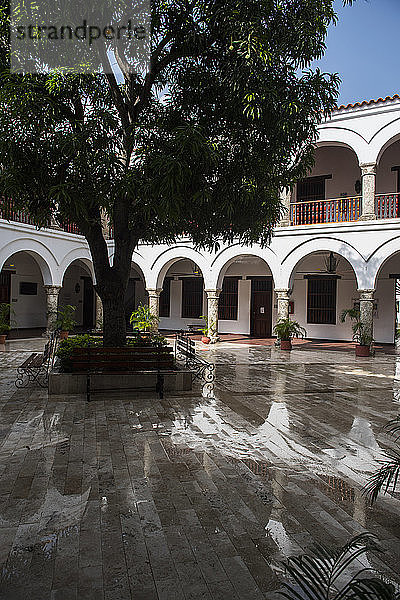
10, 213
337, 210
387, 206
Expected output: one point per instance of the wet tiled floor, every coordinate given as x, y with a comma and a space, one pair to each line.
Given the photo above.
199, 495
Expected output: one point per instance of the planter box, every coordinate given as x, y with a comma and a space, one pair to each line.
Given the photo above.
75, 383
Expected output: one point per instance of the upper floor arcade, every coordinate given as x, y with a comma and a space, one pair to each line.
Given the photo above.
356, 175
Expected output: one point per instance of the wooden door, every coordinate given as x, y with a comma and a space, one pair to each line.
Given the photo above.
261, 307
5, 286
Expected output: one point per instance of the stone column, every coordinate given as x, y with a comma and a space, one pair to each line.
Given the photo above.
368, 172
212, 314
154, 305
283, 304
99, 313
52, 293
285, 196
367, 311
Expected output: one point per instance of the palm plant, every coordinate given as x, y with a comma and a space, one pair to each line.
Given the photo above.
142, 320
65, 318
286, 329
360, 336
323, 576
387, 477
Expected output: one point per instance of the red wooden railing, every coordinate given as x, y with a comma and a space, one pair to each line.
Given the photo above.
9, 212
387, 206
336, 210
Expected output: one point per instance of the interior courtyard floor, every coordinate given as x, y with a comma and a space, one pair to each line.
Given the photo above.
202, 494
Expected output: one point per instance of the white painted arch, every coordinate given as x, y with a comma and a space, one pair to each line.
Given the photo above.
334, 135
167, 258
379, 258
228, 256
322, 244
41, 254
81, 254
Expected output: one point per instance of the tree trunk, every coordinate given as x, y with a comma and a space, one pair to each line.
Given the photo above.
114, 324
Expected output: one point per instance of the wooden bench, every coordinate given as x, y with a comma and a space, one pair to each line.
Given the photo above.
129, 358
37, 366
97, 359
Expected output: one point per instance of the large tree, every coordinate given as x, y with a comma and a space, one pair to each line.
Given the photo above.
224, 117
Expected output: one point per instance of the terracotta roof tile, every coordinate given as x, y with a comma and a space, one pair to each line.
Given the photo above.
368, 102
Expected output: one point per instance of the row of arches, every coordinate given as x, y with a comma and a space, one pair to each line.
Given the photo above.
248, 277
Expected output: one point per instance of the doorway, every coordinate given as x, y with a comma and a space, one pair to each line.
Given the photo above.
5, 286
261, 307
88, 300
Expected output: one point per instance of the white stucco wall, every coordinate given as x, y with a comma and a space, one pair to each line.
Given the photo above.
29, 311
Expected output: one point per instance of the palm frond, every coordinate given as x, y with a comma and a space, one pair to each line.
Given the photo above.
316, 577
385, 479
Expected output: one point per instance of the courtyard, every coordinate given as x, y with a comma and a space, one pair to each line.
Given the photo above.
199, 495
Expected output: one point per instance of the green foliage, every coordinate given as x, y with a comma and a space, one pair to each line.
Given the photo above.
150, 339
201, 143
360, 335
65, 349
329, 574
142, 319
6, 313
209, 329
286, 329
65, 318
387, 477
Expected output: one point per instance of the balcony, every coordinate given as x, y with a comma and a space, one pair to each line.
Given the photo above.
387, 206
336, 210
9, 212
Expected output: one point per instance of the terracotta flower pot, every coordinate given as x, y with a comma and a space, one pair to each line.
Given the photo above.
286, 345
3, 338
362, 350
63, 335
205, 339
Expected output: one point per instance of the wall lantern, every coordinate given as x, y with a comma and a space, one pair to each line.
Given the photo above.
77, 288
358, 187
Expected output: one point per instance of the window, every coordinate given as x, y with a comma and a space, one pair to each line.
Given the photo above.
27, 288
165, 298
312, 189
228, 300
192, 297
321, 300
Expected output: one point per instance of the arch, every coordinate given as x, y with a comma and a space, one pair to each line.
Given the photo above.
137, 261
346, 138
42, 255
228, 256
386, 136
379, 258
167, 258
321, 244
81, 254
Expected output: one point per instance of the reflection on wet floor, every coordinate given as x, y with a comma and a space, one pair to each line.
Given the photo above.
200, 495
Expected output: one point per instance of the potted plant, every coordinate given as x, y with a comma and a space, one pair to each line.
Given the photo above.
362, 337
142, 320
5, 312
209, 331
285, 330
65, 321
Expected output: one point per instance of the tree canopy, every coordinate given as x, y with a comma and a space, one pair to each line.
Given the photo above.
201, 143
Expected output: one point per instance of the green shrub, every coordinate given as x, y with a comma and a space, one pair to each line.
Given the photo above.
65, 349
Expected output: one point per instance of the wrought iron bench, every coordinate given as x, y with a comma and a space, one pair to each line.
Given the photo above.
37, 366
185, 350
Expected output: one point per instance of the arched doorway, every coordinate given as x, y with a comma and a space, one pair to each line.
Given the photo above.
77, 290
182, 300
387, 300
246, 303
21, 285
323, 285
135, 293
387, 198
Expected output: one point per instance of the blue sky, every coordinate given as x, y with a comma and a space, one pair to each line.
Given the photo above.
364, 48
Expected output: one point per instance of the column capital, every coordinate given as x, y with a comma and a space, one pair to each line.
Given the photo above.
368, 169
154, 291
366, 295
52, 289
282, 291
213, 293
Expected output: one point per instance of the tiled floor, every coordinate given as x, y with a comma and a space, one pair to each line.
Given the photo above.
193, 496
